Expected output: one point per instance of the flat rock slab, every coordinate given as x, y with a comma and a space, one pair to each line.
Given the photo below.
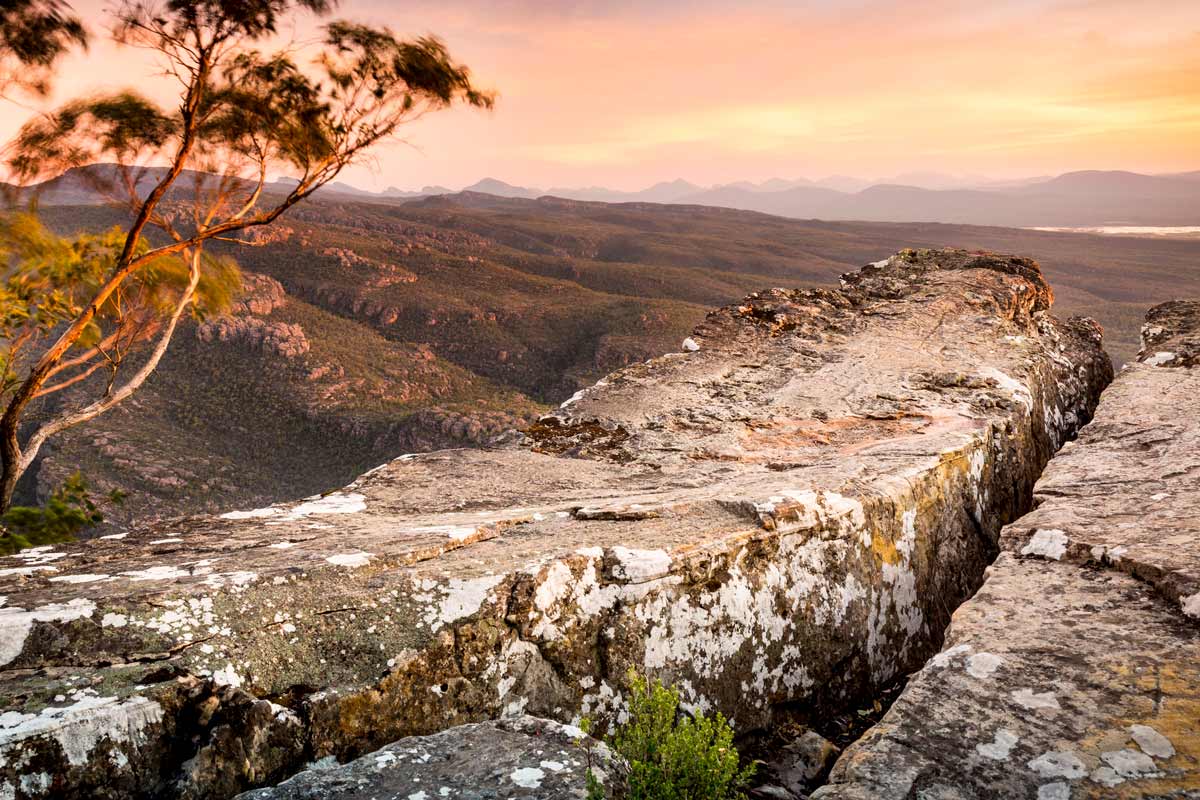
782, 517
1075, 672
520, 757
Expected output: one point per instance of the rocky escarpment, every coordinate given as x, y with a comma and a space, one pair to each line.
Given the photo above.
261, 295
779, 520
1075, 672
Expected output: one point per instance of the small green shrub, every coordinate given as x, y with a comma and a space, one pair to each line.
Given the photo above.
673, 756
69, 510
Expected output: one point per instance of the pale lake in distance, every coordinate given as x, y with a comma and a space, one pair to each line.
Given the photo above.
1161, 232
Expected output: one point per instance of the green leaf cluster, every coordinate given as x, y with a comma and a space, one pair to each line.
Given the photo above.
47, 279
673, 755
69, 510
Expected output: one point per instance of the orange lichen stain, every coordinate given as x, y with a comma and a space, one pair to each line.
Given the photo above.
1165, 697
884, 548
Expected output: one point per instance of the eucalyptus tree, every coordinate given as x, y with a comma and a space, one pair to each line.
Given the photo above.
199, 172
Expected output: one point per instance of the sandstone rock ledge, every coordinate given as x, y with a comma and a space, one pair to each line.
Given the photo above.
780, 521
1075, 672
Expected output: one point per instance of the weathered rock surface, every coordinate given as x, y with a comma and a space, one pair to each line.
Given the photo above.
1075, 672
260, 295
779, 521
519, 757
796, 769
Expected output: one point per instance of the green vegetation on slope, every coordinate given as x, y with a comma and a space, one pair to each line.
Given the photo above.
433, 322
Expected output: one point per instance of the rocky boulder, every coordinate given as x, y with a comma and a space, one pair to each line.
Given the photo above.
779, 521
1075, 671
518, 757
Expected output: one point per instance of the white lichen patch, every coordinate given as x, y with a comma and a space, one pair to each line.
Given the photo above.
1000, 747
237, 579
1058, 764
1058, 790
528, 777
79, 727
227, 676
1018, 390
332, 503
1047, 542
1129, 763
159, 573
946, 657
26, 570
982, 665
1027, 698
455, 533
254, 513
81, 578
356, 559
1152, 742
1191, 605
38, 555
460, 599
638, 566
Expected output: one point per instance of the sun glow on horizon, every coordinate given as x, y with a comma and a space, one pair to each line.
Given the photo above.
625, 95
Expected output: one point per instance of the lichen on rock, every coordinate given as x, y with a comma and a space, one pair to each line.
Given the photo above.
1088, 617
781, 519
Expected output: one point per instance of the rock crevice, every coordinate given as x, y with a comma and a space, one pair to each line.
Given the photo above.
1075, 671
778, 521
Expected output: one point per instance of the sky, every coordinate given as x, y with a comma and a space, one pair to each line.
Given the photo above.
625, 94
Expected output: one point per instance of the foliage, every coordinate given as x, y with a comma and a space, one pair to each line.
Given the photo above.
241, 114
69, 510
673, 755
47, 279
33, 35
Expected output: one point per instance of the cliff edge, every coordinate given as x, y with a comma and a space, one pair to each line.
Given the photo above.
1075, 671
779, 520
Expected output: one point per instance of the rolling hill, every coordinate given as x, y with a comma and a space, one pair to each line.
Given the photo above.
398, 326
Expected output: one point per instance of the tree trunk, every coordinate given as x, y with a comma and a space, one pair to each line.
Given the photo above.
10, 462
17, 459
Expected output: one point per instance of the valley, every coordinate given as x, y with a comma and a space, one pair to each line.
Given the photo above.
384, 327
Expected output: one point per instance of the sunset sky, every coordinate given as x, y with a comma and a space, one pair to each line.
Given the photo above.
624, 94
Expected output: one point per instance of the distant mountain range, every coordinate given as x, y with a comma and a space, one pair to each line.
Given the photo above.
1074, 199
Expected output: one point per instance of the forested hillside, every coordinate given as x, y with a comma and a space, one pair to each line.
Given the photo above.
370, 329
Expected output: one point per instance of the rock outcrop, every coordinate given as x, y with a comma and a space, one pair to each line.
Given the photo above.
260, 295
779, 521
518, 757
1075, 671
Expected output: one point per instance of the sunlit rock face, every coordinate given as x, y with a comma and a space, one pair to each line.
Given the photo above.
1075, 671
783, 516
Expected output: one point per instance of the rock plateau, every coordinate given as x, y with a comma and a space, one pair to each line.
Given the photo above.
780, 521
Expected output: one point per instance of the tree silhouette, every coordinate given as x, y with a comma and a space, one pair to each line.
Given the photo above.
199, 172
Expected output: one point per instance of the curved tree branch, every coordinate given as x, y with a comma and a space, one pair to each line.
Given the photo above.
70, 419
